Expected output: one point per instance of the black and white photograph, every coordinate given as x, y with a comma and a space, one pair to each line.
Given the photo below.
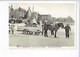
42, 25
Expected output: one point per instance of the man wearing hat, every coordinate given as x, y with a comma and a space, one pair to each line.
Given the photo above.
67, 29
45, 29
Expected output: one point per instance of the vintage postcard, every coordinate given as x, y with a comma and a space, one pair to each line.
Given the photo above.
44, 24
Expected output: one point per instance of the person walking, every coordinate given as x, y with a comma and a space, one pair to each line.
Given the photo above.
67, 29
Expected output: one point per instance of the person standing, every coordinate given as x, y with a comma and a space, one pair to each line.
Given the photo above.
12, 28
45, 29
67, 29
42, 29
52, 29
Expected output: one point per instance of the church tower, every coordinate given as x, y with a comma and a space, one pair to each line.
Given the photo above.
29, 13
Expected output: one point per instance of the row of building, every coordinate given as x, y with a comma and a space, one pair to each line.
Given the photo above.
22, 14
30, 16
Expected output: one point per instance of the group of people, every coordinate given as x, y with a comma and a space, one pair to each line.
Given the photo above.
46, 28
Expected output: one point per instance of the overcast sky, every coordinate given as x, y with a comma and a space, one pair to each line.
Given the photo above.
54, 9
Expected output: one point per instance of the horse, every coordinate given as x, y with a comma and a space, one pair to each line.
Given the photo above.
55, 28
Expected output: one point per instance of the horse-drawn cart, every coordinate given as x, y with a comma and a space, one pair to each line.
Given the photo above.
30, 30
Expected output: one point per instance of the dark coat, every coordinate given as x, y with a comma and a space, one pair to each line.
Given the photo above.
45, 26
67, 28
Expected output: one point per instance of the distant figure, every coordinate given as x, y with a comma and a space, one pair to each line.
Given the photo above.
67, 29
42, 29
45, 29
12, 28
9, 29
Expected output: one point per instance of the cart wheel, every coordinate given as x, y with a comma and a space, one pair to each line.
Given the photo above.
24, 31
30, 32
37, 33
